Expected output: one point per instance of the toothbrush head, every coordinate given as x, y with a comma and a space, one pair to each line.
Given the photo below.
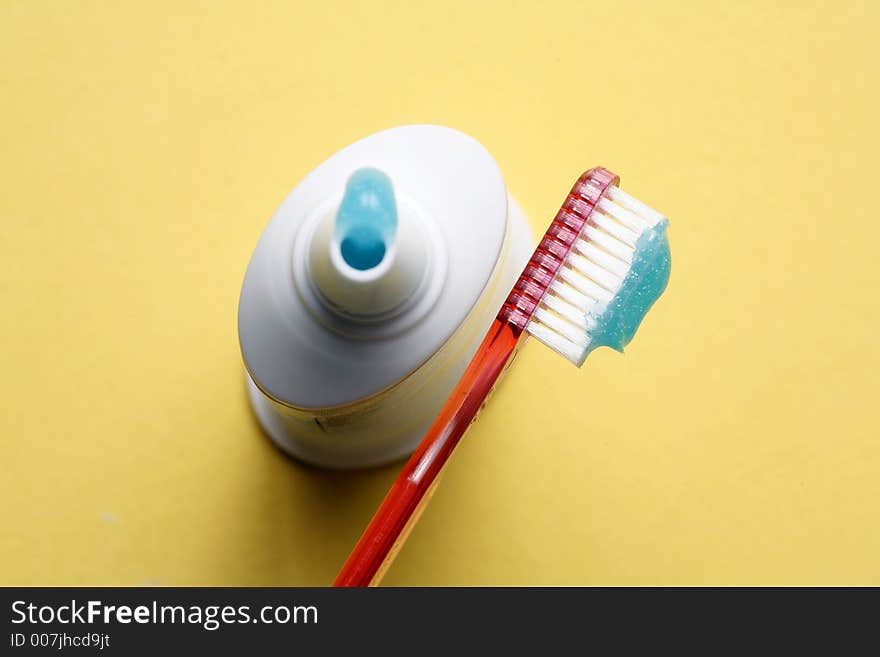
600, 267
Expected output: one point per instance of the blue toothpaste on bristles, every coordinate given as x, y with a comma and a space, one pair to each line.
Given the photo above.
617, 268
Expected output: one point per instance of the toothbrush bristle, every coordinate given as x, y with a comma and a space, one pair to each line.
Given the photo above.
598, 257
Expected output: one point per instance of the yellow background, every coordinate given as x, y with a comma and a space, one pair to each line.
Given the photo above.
144, 146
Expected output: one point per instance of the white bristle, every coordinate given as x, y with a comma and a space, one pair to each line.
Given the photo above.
582, 284
602, 258
568, 293
624, 200
621, 215
575, 334
601, 222
614, 246
569, 312
558, 343
592, 274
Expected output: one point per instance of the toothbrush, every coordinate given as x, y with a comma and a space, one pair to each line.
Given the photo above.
598, 269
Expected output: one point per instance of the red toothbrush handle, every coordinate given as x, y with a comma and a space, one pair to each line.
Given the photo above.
403, 504
393, 521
